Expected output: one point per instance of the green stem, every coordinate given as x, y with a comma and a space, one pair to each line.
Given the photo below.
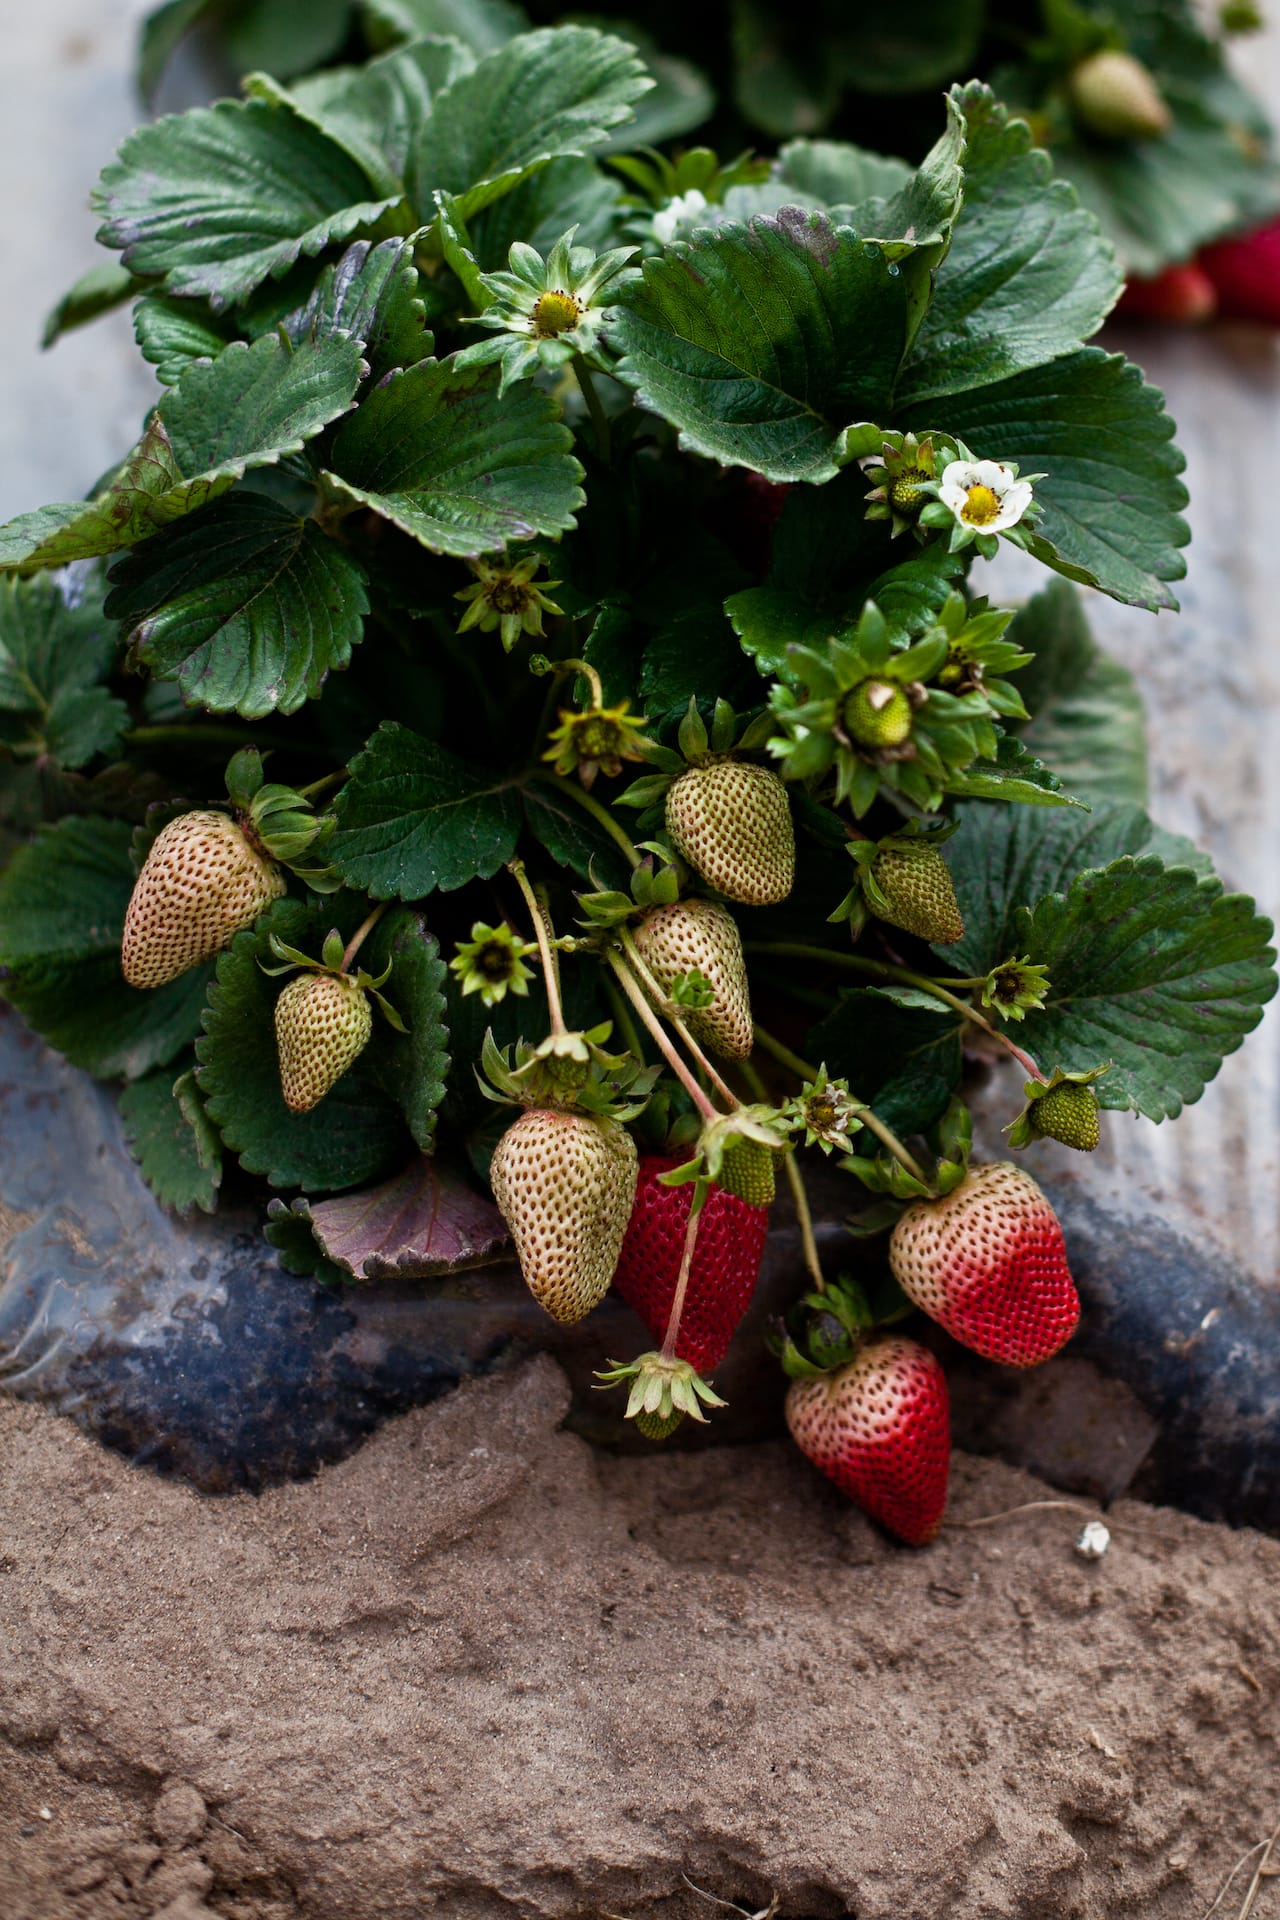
625, 1024
627, 982
805, 1071
599, 418
361, 934
583, 667
686, 1267
795, 1180
212, 735
318, 786
598, 811
671, 1013
881, 970
542, 934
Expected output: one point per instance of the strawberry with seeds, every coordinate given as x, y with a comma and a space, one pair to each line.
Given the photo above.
723, 1271
323, 1019
987, 1261
879, 1426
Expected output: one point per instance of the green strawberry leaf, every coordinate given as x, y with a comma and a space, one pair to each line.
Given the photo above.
288, 1230
482, 25
763, 342
219, 199
372, 294
62, 905
1155, 968
435, 451
375, 113
413, 1066
1027, 276
248, 408
566, 193
1111, 496
1014, 774
413, 818
543, 95
357, 1132
52, 657
97, 291
768, 620
835, 173
572, 837
420, 1224
246, 606
1005, 859
1086, 711
177, 1149
287, 40
173, 333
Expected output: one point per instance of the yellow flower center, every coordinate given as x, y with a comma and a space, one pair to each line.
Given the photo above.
556, 312
981, 506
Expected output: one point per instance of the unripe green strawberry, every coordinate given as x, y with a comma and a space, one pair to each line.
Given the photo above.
1114, 95
323, 1022
565, 1184
878, 714
1068, 1112
731, 821
657, 1426
916, 882
747, 1170
200, 884
697, 933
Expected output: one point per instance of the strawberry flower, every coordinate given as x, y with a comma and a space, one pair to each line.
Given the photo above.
984, 495
546, 311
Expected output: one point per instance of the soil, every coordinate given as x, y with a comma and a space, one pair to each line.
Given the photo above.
483, 1670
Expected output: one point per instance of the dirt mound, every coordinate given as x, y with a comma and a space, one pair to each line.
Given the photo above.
482, 1671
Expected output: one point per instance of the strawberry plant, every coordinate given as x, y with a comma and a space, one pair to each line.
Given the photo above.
523, 719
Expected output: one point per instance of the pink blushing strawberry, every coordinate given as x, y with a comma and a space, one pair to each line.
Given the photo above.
722, 1277
988, 1262
879, 1427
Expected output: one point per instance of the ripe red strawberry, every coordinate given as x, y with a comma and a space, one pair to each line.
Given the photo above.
323, 1022
1246, 275
565, 1183
989, 1264
731, 821
722, 1276
696, 933
880, 1428
200, 884
1116, 97
1185, 296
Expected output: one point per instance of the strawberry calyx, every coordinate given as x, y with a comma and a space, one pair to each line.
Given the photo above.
727, 740
279, 822
664, 1391
568, 1069
824, 1331
942, 1167
736, 1151
1063, 1108
335, 961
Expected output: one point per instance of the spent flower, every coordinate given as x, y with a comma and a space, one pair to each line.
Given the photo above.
504, 596
543, 312
492, 963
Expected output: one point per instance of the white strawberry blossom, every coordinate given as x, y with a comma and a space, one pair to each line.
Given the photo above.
684, 208
983, 495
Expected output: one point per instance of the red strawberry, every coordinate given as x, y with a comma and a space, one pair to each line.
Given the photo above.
988, 1263
880, 1428
1246, 274
726, 1260
1185, 296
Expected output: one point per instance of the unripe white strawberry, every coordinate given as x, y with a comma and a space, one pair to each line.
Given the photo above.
565, 1184
201, 883
731, 820
1115, 96
698, 934
323, 1023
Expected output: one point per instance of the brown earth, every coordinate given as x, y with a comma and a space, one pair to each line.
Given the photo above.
481, 1671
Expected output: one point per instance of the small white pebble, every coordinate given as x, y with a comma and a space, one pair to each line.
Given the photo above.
46, 1813
1093, 1540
